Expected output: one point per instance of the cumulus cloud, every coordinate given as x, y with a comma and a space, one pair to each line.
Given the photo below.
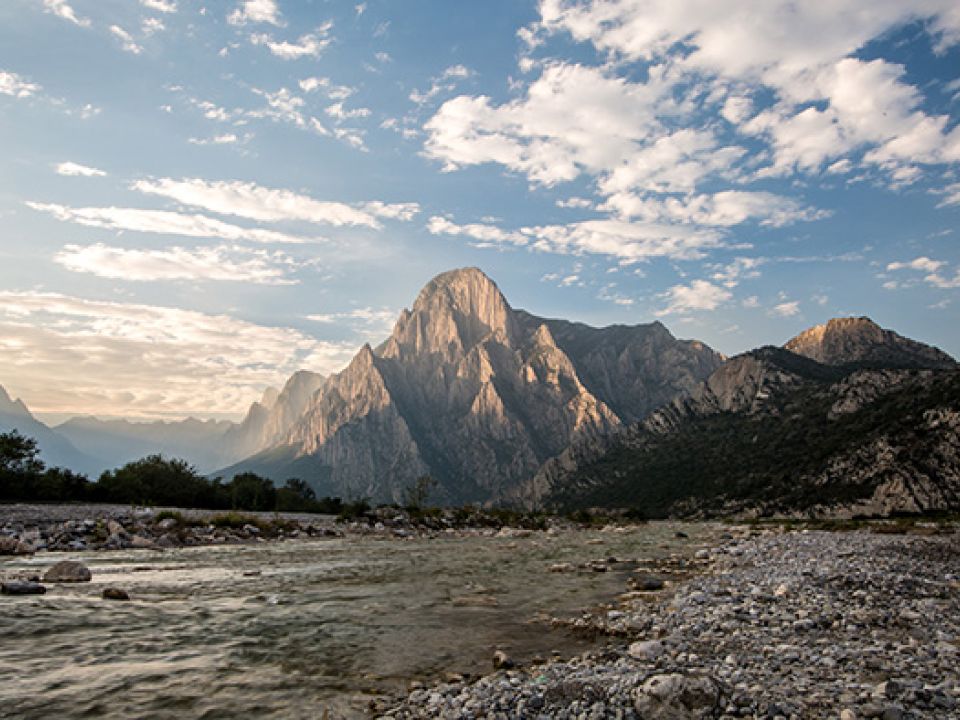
72, 355
15, 86
786, 309
163, 222
254, 202
75, 169
228, 263
699, 295
164, 6
308, 45
922, 263
62, 9
256, 11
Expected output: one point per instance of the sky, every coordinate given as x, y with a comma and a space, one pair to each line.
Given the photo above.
199, 198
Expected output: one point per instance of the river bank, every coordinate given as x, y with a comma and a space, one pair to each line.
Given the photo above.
807, 624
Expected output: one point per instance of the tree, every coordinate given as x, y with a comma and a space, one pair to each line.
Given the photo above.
249, 491
416, 495
155, 480
20, 466
296, 496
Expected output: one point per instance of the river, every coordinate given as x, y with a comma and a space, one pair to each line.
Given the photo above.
301, 628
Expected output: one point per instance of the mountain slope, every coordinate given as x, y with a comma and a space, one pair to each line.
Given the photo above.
775, 432
55, 449
476, 394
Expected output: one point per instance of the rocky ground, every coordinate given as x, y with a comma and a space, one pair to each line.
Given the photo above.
782, 625
25, 529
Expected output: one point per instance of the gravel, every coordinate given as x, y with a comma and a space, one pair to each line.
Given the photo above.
781, 625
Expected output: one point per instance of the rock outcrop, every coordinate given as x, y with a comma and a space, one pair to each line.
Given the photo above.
860, 341
476, 394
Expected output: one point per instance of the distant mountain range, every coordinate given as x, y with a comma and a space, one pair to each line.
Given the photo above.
873, 428
501, 406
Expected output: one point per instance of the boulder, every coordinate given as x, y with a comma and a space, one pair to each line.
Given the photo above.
22, 587
14, 546
677, 696
68, 571
112, 593
645, 649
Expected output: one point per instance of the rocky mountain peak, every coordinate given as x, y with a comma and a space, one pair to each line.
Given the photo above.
859, 340
456, 310
10, 406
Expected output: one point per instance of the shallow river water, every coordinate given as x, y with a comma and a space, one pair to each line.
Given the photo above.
297, 628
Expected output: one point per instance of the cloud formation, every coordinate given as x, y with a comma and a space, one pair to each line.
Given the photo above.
163, 222
254, 202
221, 263
76, 355
72, 169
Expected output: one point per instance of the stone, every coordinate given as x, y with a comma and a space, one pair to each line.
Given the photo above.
502, 661
115, 528
645, 649
677, 696
22, 587
67, 571
112, 593
167, 524
563, 567
14, 546
848, 714
648, 583
142, 543
782, 590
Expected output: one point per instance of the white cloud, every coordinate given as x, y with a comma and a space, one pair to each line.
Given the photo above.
314, 83
722, 209
163, 222
229, 263
742, 268
699, 295
371, 323
256, 11
152, 25
786, 309
309, 45
164, 6
14, 85
62, 9
339, 113
254, 202
575, 202
951, 192
800, 52
222, 139
75, 169
126, 40
73, 355
751, 302
628, 242
922, 263
943, 283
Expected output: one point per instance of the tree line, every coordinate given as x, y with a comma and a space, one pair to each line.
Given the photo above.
153, 480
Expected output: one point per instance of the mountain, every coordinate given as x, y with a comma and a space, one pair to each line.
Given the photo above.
476, 394
55, 449
775, 432
117, 442
859, 340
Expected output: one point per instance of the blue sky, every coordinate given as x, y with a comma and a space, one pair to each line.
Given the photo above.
198, 199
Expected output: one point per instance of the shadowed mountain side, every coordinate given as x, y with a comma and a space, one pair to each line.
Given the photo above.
774, 432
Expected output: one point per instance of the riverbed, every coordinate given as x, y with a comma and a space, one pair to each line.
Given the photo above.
303, 628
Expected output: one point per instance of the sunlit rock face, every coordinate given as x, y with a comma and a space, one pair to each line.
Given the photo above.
859, 340
476, 394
